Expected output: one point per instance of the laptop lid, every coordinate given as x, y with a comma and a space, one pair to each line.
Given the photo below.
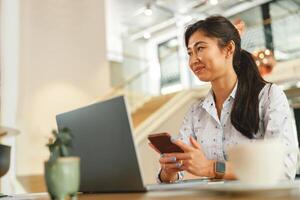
104, 142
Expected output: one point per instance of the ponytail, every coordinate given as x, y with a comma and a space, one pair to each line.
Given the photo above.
245, 111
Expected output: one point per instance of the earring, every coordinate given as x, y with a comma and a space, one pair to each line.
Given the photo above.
227, 55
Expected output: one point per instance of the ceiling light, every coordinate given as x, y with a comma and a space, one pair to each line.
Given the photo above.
148, 12
213, 2
261, 55
147, 36
265, 61
267, 52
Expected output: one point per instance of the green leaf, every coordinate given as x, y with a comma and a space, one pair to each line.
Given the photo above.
60, 146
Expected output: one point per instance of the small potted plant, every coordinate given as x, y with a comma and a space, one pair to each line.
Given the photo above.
62, 171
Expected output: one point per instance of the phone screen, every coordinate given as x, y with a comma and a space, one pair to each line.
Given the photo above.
162, 141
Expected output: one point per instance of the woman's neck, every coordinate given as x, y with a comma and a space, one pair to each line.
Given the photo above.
222, 88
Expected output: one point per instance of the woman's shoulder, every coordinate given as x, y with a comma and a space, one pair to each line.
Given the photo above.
271, 91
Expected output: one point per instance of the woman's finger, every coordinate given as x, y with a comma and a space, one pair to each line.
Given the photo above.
165, 160
194, 143
180, 156
172, 166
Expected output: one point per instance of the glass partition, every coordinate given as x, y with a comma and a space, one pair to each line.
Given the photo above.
275, 24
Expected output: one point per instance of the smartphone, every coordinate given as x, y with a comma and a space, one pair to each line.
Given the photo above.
163, 143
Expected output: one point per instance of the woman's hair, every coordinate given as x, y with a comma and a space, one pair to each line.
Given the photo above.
245, 111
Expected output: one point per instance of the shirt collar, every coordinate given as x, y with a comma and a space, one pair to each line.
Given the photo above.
209, 98
233, 92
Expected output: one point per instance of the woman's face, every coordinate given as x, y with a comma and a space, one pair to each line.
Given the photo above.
206, 59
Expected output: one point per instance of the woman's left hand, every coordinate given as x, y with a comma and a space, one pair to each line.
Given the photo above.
193, 159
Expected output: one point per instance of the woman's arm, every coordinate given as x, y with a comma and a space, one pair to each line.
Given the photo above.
211, 172
278, 124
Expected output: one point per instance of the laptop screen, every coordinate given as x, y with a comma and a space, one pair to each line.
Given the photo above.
104, 142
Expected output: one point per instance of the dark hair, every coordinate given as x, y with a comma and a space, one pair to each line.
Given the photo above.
245, 111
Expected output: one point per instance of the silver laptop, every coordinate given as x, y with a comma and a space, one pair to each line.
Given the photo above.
104, 142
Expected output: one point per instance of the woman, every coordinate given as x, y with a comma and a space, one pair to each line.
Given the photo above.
240, 106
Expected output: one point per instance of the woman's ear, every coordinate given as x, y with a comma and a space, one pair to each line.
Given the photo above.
230, 48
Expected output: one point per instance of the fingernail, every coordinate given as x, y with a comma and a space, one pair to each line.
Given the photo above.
162, 155
173, 159
173, 139
178, 165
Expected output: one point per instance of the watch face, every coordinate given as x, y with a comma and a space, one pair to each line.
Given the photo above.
220, 167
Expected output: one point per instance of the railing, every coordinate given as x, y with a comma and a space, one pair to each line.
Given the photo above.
135, 83
130, 89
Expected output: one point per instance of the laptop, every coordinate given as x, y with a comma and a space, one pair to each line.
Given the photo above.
103, 140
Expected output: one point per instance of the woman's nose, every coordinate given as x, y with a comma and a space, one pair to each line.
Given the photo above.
194, 59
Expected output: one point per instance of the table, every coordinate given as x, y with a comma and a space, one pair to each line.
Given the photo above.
172, 195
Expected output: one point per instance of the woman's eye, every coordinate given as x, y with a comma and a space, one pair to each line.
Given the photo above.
200, 48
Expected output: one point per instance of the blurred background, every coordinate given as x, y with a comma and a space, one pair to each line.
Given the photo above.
60, 55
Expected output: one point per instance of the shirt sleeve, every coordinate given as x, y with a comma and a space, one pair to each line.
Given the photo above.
278, 124
180, 176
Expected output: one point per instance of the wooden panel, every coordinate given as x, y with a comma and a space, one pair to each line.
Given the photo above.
149, 107
33, 183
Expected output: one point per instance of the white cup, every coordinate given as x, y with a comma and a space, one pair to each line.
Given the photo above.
259, 161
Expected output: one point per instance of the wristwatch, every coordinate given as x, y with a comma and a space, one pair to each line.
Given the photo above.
219, 168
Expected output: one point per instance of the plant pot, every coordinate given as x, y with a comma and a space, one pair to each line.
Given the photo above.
4, 159
62, 177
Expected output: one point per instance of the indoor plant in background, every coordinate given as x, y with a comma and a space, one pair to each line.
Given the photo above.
62, 171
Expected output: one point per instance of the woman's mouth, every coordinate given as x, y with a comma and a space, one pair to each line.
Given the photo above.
199, 69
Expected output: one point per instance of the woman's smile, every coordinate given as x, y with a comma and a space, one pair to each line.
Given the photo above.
199, 69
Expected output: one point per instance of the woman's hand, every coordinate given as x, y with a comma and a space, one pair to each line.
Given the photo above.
192, 160
169, 167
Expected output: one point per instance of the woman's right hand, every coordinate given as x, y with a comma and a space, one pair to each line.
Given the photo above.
169, 167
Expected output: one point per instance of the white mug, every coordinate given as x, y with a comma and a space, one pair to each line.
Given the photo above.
259, 161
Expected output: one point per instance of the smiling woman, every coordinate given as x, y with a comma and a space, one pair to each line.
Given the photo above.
241, 106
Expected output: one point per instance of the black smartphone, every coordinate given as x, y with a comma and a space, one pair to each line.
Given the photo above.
163, 143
